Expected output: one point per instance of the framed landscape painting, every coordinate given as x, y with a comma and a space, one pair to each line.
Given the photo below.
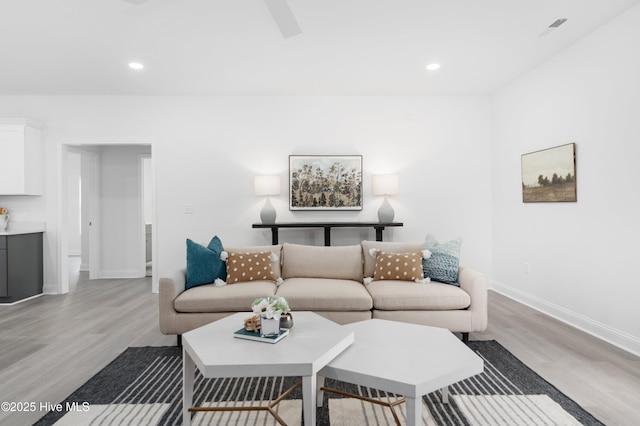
325, 182
549, 175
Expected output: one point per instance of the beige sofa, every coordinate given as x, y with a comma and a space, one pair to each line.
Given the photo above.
331, 282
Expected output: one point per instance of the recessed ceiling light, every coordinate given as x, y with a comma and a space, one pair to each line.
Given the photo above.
433, 67
136, 65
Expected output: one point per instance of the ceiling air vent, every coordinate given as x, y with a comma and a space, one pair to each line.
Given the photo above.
554, 26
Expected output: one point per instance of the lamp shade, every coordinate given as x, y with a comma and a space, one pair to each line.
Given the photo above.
385, 184
266, 185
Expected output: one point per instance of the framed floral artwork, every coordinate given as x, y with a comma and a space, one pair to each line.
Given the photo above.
325, 182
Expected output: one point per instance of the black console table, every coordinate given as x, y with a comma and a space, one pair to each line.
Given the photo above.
379, 227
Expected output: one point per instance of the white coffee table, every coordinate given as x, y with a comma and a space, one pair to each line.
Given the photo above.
310, 345
406, 359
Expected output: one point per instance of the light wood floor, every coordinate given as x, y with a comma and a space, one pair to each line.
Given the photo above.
51, 345
602, 378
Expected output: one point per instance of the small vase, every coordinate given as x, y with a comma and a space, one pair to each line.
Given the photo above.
269, 327
4, 222
286, 320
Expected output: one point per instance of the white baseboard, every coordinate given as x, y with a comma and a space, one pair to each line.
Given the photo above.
50, 289
21, 300
119, 274
597, 329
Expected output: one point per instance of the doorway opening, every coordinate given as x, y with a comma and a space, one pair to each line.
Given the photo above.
103, 215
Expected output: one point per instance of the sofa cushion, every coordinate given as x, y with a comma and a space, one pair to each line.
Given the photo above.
340, 262
203, 263
324, 294
389, 246
249, 266
406, 295
398, 266
230, 298
444, 262
276, 249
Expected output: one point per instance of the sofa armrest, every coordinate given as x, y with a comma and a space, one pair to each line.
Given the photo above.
475, 283
167, 313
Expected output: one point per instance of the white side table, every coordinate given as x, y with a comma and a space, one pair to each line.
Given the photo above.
406, 359
311, 344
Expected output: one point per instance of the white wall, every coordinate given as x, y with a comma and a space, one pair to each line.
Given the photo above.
121, 215
73, 202
581, 255
206, 151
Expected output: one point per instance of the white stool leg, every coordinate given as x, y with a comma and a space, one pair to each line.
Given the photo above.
414, 411
445, 394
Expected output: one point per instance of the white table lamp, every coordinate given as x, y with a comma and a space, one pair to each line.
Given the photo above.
267, 185
385, 185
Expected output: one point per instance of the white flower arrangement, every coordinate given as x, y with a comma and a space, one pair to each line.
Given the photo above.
270, 307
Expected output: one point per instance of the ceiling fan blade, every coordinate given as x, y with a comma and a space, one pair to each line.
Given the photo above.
282, 14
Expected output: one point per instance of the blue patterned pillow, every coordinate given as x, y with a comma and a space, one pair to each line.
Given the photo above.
204, 264
444, 262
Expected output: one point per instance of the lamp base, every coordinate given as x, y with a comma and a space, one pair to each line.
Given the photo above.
385, 212
268, 213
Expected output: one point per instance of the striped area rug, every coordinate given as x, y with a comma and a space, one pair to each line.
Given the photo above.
143, 387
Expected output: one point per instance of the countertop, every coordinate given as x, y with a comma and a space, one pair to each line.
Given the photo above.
17, 228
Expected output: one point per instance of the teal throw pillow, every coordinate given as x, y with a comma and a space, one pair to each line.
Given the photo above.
204, 264
216, 245
444, 262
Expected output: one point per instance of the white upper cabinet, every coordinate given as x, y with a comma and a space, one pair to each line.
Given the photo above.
21, 157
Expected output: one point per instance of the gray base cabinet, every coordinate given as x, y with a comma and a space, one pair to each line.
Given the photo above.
21, 273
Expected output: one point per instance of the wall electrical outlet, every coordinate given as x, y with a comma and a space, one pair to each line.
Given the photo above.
188, 209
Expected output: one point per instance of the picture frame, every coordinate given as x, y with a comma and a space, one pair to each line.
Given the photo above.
549, 175
325, 182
